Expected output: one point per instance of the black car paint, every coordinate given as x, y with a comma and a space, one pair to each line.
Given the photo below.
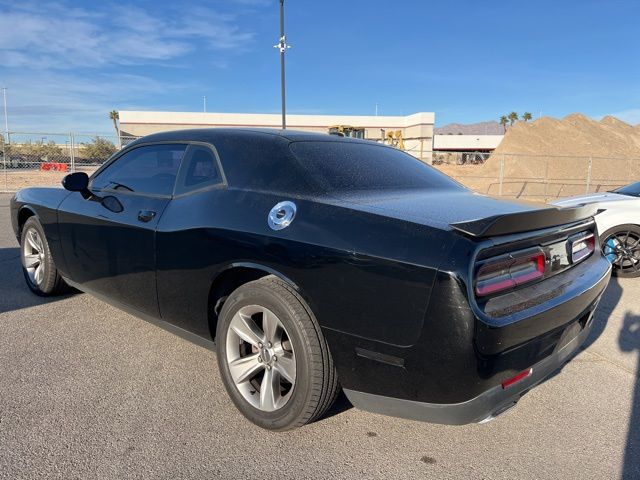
388, 278
112, 253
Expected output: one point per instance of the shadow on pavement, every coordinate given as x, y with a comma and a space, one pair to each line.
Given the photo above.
629, 341
342, 404
15, 293
607, 304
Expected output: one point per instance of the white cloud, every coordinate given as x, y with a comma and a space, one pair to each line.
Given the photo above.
61, 102
66, 67
51, 36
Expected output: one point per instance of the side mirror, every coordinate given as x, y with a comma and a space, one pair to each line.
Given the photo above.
76, 182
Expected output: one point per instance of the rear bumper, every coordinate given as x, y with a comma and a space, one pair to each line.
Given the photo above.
483, 407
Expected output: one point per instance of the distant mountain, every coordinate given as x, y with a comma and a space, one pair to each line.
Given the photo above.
482, 128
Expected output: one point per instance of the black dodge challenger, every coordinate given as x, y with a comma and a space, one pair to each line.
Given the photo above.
316, 263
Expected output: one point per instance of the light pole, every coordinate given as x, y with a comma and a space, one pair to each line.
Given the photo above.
6, 116
204, 103
282, 46
6, 140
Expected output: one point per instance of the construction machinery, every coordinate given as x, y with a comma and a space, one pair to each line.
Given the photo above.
392, 137
395, 139
347, 131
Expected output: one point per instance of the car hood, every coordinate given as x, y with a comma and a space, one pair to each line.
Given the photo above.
445, 207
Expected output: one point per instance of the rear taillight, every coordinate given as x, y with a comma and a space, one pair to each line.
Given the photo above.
581, 247
500, 274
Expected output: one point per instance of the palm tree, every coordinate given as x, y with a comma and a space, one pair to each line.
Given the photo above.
115, 116
513, 116
503, 121
526, 116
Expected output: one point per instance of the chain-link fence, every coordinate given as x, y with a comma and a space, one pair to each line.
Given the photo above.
459, 158
538, 177
32, 159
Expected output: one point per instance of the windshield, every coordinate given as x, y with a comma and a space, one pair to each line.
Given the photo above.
344, 166
632, 190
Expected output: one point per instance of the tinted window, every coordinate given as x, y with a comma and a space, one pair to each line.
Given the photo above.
632, 190
348, 166
200, 169
260, 162
151, 169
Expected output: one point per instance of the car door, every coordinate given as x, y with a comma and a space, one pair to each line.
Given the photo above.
187, 252
108, 238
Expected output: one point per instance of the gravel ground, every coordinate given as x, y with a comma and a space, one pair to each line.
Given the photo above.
87, 391
15, 179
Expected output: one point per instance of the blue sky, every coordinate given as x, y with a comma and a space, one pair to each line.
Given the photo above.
66, 64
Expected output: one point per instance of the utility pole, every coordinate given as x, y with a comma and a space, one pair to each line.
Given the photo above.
204, 103
282, 46
5, 140
6, 116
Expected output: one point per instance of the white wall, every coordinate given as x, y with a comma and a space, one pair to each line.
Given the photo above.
418, 127
466, 142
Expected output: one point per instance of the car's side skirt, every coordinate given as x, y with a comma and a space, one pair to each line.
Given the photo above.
180, 332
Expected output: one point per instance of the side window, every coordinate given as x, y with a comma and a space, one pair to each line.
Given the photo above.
199, 169
151, 169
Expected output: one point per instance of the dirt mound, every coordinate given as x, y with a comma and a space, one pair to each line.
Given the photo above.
616, 123
575, 135
551, 158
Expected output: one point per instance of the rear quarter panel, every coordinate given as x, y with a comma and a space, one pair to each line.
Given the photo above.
621, 213
362, 274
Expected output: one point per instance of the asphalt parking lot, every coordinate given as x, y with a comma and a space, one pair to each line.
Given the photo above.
87, 391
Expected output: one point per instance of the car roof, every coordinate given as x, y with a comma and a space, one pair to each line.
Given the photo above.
210, 135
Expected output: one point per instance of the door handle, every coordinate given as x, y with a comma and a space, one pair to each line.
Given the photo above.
146, 215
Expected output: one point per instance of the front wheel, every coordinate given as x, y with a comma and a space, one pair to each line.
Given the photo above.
39, 270
621, 246
273, 359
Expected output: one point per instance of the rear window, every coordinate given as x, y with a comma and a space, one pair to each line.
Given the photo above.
341, 166
199, 170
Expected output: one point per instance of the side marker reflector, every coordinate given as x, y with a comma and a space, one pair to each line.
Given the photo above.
521, 376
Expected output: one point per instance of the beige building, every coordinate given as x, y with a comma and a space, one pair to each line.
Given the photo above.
462, 143
416, 129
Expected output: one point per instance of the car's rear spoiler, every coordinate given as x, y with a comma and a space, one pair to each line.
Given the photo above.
525, 221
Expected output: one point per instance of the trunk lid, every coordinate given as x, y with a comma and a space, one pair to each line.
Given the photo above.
469, 213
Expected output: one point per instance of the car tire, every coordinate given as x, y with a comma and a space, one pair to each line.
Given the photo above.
303, 381
621, 245
38, 267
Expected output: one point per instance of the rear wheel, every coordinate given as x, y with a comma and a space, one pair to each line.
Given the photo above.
273, 359
39, 270
621, 246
